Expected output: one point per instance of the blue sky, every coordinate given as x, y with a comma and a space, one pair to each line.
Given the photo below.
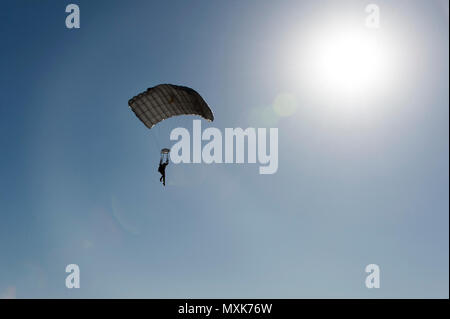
355, 185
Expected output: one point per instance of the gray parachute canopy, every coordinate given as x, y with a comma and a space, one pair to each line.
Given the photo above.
166, 100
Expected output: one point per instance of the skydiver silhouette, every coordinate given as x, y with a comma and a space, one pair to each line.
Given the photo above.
162, 170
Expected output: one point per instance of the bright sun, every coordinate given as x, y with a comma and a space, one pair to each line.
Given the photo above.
338, 64
349, 63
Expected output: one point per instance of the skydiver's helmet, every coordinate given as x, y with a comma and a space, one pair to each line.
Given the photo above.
165, 154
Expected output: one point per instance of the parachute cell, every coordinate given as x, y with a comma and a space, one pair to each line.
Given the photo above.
166, 100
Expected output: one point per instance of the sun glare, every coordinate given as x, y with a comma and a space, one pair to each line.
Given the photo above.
343, 64
349, 63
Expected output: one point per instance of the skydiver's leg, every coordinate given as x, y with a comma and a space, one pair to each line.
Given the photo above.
164, 179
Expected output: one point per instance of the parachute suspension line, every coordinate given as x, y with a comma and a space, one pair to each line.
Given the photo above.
157, 130
155, 140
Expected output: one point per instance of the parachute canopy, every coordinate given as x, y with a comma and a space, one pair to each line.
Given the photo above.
166, 100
